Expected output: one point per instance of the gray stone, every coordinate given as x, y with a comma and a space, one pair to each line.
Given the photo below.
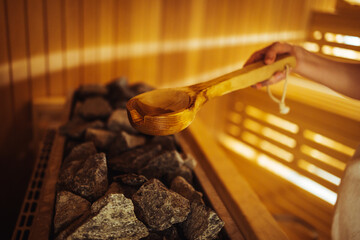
125, 141
182, 171
171, 234
76, 127
190, 161
139, 88
68, 208
166, 142
114, 187
91, 90
119, 90
182, 187
134, 159
95, 108
86, 178
81, 152
74, 161
131, 179
101, 138
113, 218
76, 111
165, 163
159, 207
119, 120
202, 223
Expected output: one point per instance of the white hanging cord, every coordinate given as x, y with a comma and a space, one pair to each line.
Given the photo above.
282, 107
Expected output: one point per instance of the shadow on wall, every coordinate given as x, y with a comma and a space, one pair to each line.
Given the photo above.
16, 164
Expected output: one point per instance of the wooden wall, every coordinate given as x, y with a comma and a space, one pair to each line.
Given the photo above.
49, 48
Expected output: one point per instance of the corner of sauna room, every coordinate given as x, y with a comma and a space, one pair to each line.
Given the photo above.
292, 163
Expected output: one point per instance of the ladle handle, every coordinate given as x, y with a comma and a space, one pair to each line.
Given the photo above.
244, 77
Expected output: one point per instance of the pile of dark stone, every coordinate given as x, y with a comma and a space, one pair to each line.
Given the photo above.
116, 183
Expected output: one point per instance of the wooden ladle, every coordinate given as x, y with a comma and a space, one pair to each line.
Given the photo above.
168, 111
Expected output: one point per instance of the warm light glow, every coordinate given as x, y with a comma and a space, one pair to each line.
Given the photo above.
342, 39
235, 117
341, 52
310, 46
317, 35
328, 142
233, 129
270, 133
297, 179
106, 53
239, 106
278, 168
326, 50
320, 156
330, 37
272, 119
353, 2
319, 172
267, 146
346, 53
279, 137
238, 147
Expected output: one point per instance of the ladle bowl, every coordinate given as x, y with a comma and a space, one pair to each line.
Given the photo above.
170, 110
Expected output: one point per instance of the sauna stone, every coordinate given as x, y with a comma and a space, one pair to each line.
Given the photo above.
159, 207
166, 142
95, 108
76, 127
118, 121
168, 234
86, 178
139, 88
81, 152
134, 159
165, 163
101, 138
185, 189
74, 161
117, 187
183, 171
189, 161
91, 90
68, 208
119, 90
202, 223
131, 179
113, 217
125, 141
114, 187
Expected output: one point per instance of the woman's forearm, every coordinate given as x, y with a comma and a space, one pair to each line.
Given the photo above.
340, 76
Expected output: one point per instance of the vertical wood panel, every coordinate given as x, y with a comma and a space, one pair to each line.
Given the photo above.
106, 39
137, 36
174, 27
196, 18
55, 54
37, 49
6, 101
73, 47
122, 22
91, 40
152, 35
15, 163
19, 61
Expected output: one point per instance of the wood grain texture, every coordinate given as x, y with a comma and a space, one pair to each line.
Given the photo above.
248, 212
52, 47
168, 111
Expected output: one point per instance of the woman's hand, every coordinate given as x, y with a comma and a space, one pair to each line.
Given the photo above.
268, 55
